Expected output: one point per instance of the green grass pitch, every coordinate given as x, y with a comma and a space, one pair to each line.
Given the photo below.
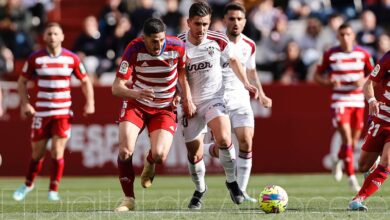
312, 196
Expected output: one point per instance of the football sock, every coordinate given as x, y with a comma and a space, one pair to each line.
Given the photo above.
210, 150
373, 182
227, 157
56, 173
150, 157
33, 169
346, 154
126, 176
197, 171
244, 166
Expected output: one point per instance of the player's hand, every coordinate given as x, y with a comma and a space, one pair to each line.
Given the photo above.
360, 82
175, 102
189, 108
265, 101
27, 110
145, 95
253, 92
373, 107
335, 83
89, 109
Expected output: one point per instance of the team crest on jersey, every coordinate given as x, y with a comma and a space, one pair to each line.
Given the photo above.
123, 67
375, 72
170, 61
210, 50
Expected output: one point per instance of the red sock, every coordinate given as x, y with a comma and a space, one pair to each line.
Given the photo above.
126, 176
348, 162
150, 157
33, 169
373, 182
56, 173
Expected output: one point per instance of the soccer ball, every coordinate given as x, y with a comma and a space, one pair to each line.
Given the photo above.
273, 199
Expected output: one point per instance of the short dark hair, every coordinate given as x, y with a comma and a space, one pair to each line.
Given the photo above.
200, 9
234, 6
52, 24
153, 26
344, 26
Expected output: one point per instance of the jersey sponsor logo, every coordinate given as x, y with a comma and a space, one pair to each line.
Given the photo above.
225, 65
210, 50
145, 64
199, 66
82, 68
123, 67
375, 72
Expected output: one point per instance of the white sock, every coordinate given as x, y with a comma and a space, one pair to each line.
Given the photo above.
244, 166
197, 172
207, 148
228, 161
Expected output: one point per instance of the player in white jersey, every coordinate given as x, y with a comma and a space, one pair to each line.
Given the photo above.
206, 52
237, 97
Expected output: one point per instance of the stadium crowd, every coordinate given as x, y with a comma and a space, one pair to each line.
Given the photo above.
291, 35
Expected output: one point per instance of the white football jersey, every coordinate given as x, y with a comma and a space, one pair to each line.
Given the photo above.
244, 50
204, 65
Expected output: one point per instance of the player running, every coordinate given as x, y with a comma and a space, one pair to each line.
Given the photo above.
207, 52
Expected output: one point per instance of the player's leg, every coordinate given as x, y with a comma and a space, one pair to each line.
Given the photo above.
35, 166
161, 127
244, 160
220, 127
128, 133
39, 138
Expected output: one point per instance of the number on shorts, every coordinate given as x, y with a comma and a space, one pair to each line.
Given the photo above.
373, 127
37, 123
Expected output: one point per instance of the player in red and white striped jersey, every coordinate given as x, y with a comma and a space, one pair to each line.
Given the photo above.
51, 69
377, 140
345, 68
154, 63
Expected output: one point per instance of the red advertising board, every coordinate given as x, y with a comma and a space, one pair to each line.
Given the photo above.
294, 136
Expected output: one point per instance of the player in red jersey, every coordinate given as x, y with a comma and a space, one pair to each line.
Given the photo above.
377, 140
344, 68
154, 62
51, 69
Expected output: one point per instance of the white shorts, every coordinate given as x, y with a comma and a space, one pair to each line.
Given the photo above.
205, 112
240, 110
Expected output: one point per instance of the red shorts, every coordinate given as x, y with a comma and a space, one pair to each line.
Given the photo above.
46, 127
153, 119
377, 136
348, 115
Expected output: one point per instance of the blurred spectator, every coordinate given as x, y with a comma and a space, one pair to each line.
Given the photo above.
383, 45
368, 36
38, 10
6, 59
110, 15
217, 6
312, 43
217, 25
15, 26
123, 34
347, 7
263, 17
382, 12
298, 9
143, 11
173, 17
90, 48
331, 29
273, 47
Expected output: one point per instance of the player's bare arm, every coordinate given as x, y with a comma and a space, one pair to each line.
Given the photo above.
325, 81
188, 106
240, 73
86, 86
120, 89
26, 109
368, 88
254, 79
360, 82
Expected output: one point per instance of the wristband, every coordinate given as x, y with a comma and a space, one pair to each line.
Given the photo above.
372, 99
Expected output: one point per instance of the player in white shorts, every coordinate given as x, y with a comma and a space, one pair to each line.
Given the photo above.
237, 97
206, 52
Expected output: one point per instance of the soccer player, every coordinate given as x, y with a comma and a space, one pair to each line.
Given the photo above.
377, 140
237, 97
206, 52
344, 68
51, 68
154, 62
